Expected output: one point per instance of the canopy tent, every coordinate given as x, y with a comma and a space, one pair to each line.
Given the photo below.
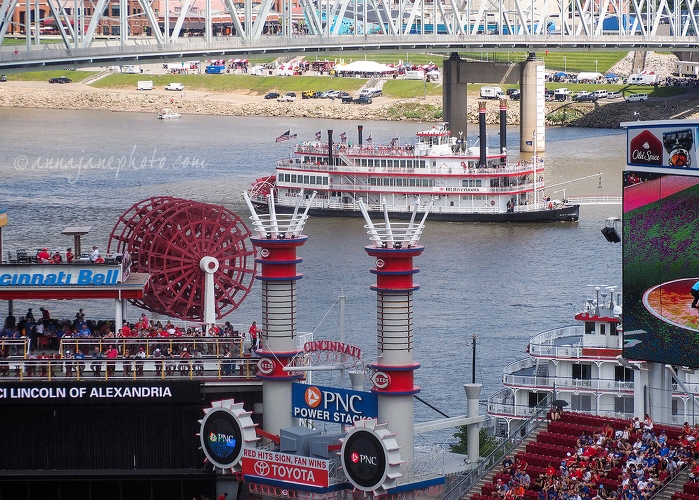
560, 74
364, 67
611, 76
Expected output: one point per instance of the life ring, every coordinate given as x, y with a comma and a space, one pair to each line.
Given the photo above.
463, 164
492, 203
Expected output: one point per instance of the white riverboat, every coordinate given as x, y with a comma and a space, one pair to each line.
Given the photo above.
463, 183
583, 367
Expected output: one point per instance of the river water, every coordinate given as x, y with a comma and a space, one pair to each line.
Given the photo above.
500, 282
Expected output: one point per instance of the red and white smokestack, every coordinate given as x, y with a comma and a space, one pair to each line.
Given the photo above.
276, 241
482, 136
394, 245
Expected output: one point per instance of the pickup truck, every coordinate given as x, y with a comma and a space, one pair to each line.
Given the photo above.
288, 97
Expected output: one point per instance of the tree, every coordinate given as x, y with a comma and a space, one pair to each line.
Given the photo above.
487, 442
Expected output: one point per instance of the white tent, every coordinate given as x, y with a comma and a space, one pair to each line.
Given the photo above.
364, 67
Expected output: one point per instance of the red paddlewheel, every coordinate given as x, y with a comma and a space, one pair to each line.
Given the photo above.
167, 238
263, 186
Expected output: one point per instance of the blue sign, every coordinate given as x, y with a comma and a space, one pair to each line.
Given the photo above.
331, 404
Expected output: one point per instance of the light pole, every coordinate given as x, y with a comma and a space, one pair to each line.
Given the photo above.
595, 65
565, 65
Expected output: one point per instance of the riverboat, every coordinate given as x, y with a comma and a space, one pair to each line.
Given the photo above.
582, 368
469, 184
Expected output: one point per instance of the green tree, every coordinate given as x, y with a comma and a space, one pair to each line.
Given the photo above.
487, 442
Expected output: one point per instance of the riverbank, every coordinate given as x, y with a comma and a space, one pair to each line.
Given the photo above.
80, 96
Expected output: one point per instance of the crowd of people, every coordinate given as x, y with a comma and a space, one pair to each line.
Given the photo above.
168, 346
637, 457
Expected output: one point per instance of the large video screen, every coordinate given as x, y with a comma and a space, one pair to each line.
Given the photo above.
661, 262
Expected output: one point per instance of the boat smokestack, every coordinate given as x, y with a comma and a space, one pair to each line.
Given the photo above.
360, 129
503, 128
483, 139
330, 147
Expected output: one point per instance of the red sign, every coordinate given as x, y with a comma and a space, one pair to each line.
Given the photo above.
275, 466
265, 366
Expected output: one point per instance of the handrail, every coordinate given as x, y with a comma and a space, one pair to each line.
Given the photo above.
210, 345
516, 436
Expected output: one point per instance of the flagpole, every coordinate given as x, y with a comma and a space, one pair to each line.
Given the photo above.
535, 165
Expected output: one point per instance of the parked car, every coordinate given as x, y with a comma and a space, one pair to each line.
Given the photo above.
636, 97
330, 94
60, 79
343, 95
515, 95
3, 78
615, 94
362, 99
586, 98
308, 94
288, 97
549, 95
511, 91
271, 95
370, 92
347, 99
179, 87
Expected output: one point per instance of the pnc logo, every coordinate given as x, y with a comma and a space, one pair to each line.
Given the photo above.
265, 366
354, 457
313, 397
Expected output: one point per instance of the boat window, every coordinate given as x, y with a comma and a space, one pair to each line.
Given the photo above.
612, 329
383, 163
312, 179
412, 182
305, 179
623, 374
582, 371
386, 181
372, 181
403, 163
293, 178
325, 181
535, 398
624, 404
589, 327
581, 402
280, 177
602, 329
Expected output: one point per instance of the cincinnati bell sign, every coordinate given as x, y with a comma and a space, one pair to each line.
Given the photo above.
60, 275
332, 405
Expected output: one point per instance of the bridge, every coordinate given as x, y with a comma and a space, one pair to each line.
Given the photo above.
86, 32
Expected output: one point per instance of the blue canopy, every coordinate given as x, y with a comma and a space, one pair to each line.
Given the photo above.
560, 73
611, 76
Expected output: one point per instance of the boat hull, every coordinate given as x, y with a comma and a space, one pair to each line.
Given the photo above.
567, 213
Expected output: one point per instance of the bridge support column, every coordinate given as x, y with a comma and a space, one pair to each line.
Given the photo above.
455, 96
532, 107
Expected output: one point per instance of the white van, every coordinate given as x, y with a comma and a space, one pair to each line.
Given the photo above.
636, 97
145, 85
492, 93
179, 87
600, 94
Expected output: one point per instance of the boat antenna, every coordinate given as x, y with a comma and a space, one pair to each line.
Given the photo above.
473, 362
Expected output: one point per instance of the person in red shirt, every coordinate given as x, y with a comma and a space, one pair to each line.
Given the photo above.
69, 256
56, 259
43, 256
111, 364
99, 259
125, 329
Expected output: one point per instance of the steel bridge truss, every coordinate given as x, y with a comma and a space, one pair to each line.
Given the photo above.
78, 21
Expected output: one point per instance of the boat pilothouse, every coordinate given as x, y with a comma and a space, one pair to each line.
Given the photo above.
463, 183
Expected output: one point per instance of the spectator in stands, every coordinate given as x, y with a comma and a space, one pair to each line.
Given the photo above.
126, 363
69, 256
94, 254
111, 356
506, 465
96, 365
43, 256
56, 259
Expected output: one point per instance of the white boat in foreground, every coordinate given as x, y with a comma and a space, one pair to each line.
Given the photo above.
168, 114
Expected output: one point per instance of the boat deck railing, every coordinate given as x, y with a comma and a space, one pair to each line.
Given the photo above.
16, 368
544, 343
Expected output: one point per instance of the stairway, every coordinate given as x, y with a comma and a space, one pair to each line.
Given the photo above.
97, 76
673, 486
488, 478
639, 61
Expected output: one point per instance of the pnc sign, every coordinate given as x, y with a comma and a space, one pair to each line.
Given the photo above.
282, 468
330, 404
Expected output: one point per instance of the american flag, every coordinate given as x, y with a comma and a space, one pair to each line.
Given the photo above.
286, 136
319, 135
369, 140
343, 136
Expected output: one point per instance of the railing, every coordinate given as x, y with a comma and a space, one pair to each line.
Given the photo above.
214, 346
567, 383
596, 200
128, 369
458, 488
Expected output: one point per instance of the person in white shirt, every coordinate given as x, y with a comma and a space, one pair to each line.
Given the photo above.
94, 254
